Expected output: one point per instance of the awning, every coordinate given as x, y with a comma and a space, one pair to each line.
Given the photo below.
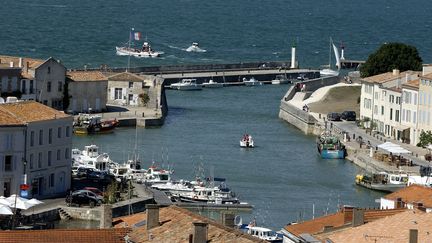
393, 148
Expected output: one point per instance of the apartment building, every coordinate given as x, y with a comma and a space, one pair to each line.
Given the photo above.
35, 149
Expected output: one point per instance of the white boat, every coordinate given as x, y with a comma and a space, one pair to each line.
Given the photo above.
247, 141
91, 158
186, 84
383, 181
155, 175
280, 79
212, 84
195, 48
328, 71
209, 194
252, 82
145, 51
264, 234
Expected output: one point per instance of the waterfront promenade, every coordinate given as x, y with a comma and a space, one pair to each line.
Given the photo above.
360, 154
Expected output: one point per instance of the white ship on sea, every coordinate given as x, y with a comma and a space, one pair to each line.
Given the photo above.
129, 50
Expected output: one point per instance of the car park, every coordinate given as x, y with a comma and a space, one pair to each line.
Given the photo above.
333, 116
83, 197
348, 115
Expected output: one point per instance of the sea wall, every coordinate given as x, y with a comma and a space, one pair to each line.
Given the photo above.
297, 117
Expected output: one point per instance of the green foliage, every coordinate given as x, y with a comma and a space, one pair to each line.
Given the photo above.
110, 195
392, 56
145, 98
425, 139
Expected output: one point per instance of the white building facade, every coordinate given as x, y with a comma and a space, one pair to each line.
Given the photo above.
36, 151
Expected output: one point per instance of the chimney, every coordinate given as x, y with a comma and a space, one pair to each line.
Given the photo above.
327, 228
200, 232
347, 213
396, 72
358, 217
11, 64
152, 216
228, 220
26, 66
106, 216
413, 236
419, 206
20, 63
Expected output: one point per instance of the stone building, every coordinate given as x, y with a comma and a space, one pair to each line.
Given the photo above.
9, 79
127, 88
87, 91
41, 80
35, 149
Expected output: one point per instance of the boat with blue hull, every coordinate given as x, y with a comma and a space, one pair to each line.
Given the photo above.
330, 147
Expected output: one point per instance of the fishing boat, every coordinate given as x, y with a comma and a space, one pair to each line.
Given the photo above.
383, 181
247, 141
252, 82
212, 84
328, 71
330, 147
186, 84
93, 124
129, 50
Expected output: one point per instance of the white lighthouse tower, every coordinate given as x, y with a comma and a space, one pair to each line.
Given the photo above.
342, 51
293, 55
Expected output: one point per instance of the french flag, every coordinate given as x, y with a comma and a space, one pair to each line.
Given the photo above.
137, 36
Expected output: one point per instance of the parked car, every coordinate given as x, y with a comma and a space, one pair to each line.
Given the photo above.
101, 176
83, 197
333, 116
348, 115
83, 172
95, 190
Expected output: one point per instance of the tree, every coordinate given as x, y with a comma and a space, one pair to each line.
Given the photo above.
145, 98
425, 139
392, 56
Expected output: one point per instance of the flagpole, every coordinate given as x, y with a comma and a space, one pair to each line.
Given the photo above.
130, 40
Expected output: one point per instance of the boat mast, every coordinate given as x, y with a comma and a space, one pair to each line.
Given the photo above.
130, 40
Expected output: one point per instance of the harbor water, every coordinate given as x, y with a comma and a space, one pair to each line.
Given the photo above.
283, 176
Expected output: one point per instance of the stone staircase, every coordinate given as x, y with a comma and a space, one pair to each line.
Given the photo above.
64, 215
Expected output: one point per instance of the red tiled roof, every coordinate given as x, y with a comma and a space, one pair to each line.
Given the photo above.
20, 113
177, 225
389, 76
393, 229
337, 220
413, 194
86, 76
65, 235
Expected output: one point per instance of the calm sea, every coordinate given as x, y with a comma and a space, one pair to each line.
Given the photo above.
82, 32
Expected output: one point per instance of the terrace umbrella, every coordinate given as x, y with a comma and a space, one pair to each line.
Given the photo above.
19, 202
5, 210
34, 201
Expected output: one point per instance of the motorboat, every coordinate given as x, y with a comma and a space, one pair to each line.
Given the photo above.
91, 158
212, 84
383, 181
186, 84
209, 194
330, 147
93, 124
155, 175
247, 141
280, 79
259, 232
252, 82
195, 48
145, 51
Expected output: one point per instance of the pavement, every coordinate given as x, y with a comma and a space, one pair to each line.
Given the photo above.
351, 128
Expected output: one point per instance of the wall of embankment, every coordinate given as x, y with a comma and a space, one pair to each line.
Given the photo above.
297, 117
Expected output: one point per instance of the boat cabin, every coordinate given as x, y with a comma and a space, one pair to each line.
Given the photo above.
260, 232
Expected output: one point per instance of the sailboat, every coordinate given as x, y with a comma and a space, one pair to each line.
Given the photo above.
328, 71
